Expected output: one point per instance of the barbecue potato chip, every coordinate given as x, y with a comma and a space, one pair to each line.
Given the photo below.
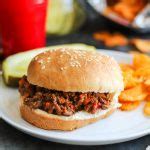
137, 93
147, 82
102, 36
127, 9
141, 44
129, 79
141, 60
147, 109
116, 39
126, 67
137, 83
143, 72
128, 106
111, 39
147, 98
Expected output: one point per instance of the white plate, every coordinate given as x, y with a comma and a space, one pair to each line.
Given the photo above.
119, 127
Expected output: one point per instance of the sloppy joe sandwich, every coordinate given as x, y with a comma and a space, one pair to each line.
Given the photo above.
67, 89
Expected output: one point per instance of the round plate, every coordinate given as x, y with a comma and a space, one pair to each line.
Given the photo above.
119, 127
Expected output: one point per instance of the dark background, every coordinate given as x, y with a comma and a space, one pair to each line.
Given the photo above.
11, 138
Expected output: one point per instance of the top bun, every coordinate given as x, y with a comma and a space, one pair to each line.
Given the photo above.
72, 70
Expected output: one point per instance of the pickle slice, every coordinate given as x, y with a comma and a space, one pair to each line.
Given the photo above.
15, 66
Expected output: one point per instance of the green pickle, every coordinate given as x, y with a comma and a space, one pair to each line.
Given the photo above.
64, 17
15, 66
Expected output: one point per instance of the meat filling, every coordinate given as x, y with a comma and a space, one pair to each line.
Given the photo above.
62, 103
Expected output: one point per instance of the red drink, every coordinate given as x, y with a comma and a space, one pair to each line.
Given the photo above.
22, 24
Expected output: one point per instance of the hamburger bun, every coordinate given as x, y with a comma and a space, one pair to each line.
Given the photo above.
71, 70
75, 71
42, 119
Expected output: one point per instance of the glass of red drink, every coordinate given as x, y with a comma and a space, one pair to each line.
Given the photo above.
22, 25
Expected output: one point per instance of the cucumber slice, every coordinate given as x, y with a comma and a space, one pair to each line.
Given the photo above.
59, 17
55, 16
64, 16
80, 16
15, 66
69, 18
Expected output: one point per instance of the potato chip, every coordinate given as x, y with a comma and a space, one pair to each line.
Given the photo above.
126, 67
147, 109
147, 98
128, 106
111, 39
140, 60
129, 79
116, 39
126, 9
143, 72
102, 36
147, 84
141, 44
137, 93
137, 83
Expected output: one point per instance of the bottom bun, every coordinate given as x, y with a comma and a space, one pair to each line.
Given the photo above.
47, 121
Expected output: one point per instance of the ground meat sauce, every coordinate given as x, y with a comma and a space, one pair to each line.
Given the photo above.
62, 103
